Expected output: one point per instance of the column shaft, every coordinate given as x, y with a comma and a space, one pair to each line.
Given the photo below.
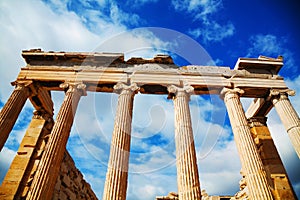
288, 116
251, 163
117, 171
48, 169
11, 111
187, 170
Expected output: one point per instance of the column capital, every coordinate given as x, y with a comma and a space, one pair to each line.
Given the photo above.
72, 86
279, 94
122, 87
175, 91
257, 121
21, 85
227, 93
39, 114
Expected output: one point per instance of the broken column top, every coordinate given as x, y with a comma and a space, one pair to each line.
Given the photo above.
262, 64
39, 57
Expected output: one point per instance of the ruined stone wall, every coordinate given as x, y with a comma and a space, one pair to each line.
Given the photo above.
18, 180
70, 183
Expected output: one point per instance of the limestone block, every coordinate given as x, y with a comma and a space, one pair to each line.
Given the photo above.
29, 142
70, 194
19, 162
62, 196
9, 189
14, 175
66, 180
63, 168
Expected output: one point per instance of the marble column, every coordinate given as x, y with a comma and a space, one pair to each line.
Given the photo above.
252, 165
11, 111
117, 171
46, 175
186, 161
288, 115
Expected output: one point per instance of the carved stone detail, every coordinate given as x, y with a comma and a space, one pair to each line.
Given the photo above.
123, 88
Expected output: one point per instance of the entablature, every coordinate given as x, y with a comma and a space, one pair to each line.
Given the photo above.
101, 71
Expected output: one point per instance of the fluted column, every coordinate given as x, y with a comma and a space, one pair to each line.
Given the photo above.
117, 171
11, 111
288, 115
186, 161
251, 162
48, 169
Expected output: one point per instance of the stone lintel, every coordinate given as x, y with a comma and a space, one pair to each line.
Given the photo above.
259, 107
41, 58
101, 71
262, 64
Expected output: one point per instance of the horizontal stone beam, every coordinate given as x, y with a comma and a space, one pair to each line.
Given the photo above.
203, 80
259, 107
41, 99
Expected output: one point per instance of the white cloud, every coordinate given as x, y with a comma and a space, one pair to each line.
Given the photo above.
203, 11
140, 42
26, 25
220, 164
150, 185
272, 46
201, 8
120, 17
139, 3
266, 43
97, 182
213, 31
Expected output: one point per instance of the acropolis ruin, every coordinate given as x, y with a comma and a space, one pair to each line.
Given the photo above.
43, 168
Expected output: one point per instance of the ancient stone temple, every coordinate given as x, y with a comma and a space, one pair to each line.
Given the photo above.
43, 169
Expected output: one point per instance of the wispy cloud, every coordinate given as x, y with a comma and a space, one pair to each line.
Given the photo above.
213, 31
272, 46
120, 17
199, 8
99, 15
203, 12
139, 3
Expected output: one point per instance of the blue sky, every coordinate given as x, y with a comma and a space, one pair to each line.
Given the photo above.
212, 32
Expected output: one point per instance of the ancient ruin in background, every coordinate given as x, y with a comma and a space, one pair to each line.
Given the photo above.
43, 169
